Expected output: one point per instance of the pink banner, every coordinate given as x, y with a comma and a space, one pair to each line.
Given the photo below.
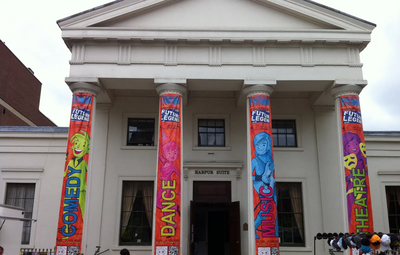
72, 206
168, 204
263, 176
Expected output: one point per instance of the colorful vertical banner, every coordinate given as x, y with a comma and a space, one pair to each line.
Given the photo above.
72, 206
358, 195
263, 176
168, 216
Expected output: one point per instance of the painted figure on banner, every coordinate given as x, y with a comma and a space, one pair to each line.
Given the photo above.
263, 179
77, 166
354, 158
169, 152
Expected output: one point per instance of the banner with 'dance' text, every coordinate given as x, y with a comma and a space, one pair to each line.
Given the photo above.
72, 206
168, 204
263, 176
359, 209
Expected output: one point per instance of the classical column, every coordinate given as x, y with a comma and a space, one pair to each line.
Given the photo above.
73, 195
167, 230
354, 165
264, 237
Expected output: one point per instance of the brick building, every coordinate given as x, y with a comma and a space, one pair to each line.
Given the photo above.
19, 93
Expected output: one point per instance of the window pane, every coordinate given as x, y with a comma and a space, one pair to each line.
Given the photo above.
219, 123
393, 203
291, 140
211, 132
203, 123
136, 213
281, 139
140, 132
284, 133
22, 195
211, 139
220, 140
203, 139
290, 213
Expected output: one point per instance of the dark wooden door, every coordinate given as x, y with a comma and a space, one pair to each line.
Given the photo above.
212, 191
234, 223
191, 226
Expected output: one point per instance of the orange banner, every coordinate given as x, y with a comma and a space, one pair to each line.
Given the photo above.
263, 176
359, 207
168, 215
72, 206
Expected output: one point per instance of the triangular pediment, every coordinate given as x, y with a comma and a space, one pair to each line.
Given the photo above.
217, 15
273, 15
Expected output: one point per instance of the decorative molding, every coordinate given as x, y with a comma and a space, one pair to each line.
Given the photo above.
214, 166
124, 55
171, 88
22, 169
259, 81
78, 54
307, 59
259, 56
147, 40
214, 56
171, 56
259, 41
332, 42
307, 41
353, 57
347, 87
84, 84
395, 172
283, 41
186, 173
237, 41
170, 80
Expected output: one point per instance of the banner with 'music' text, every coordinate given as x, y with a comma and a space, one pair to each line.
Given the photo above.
72, 206
168, 204
359, 209
263, 176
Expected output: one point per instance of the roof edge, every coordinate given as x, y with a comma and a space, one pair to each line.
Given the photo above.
340, 12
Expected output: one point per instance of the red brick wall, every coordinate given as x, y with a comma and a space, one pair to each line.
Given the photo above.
20, 88
7, 118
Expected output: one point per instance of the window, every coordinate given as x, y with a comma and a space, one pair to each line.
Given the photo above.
393, 204
211, 132
136, 213
140, 132
22, 195
284, 133
290, 213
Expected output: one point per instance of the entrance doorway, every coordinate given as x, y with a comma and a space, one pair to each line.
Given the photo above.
214, 220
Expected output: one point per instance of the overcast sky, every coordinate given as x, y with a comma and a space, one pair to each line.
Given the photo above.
29, 30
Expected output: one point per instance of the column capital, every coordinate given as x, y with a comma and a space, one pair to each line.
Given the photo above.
171, 88
258, 89
82, 84
347, 87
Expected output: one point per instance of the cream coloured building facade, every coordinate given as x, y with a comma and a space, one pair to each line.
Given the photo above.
301, 53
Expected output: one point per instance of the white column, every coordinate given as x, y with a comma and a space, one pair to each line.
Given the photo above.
264, 179
169, 235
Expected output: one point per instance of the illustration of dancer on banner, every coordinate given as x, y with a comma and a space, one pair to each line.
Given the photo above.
169, 152
263, 179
